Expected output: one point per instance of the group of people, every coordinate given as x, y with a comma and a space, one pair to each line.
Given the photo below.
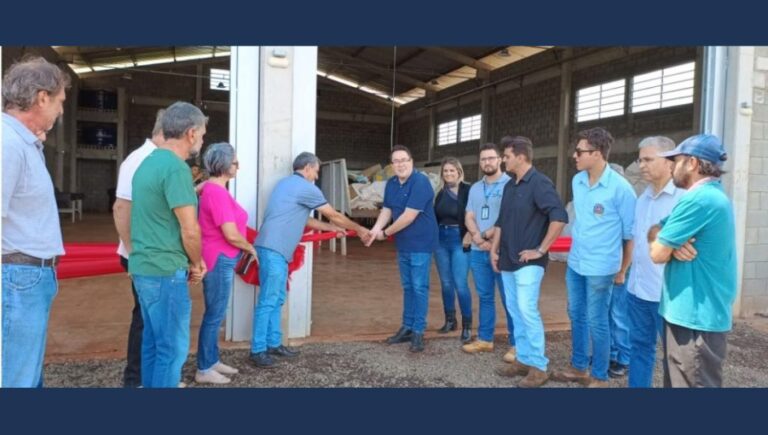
663, 264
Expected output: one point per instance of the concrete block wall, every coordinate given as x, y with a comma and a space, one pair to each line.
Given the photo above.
755, 281
361, 143
533, 109
96, 177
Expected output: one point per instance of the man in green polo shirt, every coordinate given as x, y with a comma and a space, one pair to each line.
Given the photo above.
697, 243
166, 245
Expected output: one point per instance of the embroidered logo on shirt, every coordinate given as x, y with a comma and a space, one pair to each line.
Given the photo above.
598, 209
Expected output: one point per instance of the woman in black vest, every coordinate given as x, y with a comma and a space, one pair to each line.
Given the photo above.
452, 255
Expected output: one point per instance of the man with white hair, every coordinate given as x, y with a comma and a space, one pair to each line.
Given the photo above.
645, 281
33, 98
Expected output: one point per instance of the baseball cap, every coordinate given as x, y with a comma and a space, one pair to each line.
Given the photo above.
703, 146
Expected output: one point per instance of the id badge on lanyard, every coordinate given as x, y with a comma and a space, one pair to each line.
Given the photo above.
485, 212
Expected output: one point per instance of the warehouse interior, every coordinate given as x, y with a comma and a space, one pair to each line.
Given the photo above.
438, 101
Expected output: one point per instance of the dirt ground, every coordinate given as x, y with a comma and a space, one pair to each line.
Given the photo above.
442, 364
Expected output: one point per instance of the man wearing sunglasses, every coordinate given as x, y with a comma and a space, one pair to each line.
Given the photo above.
600, 255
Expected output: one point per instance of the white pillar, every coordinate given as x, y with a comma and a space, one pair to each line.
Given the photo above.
297, 319
272, 118
244, 130
737, 130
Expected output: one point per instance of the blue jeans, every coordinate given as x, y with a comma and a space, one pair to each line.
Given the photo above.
273, 279
646, 324
28, 292
589, 300
166, 309
217, 286
485, 282
522, 288
414, 276
619, 320
453, 268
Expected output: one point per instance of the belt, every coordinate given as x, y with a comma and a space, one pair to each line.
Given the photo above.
19, 258
448, 226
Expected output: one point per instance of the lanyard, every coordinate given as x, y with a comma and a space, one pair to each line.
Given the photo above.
485, 192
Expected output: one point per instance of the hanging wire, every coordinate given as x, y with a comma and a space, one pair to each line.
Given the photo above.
392, 100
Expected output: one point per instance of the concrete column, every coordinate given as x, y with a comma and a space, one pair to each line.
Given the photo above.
564, 131
244, 129
272, 118
736, 135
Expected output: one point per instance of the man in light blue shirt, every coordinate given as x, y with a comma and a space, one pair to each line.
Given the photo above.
481, 215
601, 252
645, 281
33, 98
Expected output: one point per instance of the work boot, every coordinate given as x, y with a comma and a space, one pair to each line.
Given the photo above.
515, 368
466, 329
478, 346
417, 343
403, 335
571, 375
510, 356
450, 323
534, 379
595, 383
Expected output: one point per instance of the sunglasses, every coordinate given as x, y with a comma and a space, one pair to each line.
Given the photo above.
580, 151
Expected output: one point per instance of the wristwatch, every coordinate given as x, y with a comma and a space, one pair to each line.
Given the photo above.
482, 234
538, 249
384, 233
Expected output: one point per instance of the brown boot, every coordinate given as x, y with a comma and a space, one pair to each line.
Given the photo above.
513, 369
534, 379
596, 383
571, 375
478, 346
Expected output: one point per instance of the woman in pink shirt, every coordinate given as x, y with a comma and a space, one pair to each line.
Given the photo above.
222, 224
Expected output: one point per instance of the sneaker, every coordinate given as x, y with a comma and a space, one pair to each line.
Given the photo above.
181, 385
211, 377
225, 369
515, 368
534, 379
617, 370
511, 355
571, 375
478, 346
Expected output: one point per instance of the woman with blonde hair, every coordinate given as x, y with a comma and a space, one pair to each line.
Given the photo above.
452, 255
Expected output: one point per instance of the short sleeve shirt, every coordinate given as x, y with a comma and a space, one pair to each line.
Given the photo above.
482, 195
415, 193
162, 183
699, 294
218, 207
291, 202
125, 178
605, 215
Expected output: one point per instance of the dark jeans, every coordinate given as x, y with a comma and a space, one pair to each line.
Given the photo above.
132, 372
693, 358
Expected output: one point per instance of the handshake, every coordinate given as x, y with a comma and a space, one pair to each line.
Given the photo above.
369, 236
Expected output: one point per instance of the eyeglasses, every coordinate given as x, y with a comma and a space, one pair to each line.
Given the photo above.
488, 159
645, 160
236, 164
401, 161
579, 151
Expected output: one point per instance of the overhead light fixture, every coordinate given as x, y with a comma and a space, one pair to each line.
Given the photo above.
221, 85
504, 52
434, 82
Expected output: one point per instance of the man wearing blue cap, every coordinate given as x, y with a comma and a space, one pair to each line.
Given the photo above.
698, 292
